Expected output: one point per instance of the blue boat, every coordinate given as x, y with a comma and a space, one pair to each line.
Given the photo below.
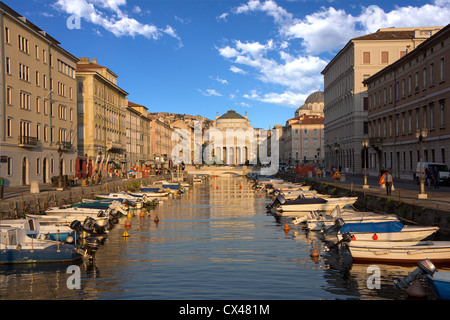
440, 284
17, 248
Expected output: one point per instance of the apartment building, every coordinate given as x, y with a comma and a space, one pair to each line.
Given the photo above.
160, 143
101, 109
137, 135
346, 100
411, 94
38, 103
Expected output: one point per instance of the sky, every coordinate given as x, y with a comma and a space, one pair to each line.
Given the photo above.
205, 57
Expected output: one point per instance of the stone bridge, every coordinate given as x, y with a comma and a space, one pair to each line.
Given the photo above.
218, 170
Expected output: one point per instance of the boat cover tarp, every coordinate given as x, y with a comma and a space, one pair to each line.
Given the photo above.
372, 227
150, 189
306, 201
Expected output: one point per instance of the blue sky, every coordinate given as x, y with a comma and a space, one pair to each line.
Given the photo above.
209, 56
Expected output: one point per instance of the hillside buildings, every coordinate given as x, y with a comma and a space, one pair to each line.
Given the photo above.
346, 100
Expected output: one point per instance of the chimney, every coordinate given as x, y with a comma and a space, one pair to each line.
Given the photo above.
94, 60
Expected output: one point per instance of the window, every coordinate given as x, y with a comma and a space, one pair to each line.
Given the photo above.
365, 104
431, 74
62, 112
44, 56
38, 82
52, 134
38, 104
8, 65
409, 121
417, 118
9, 168
38, 131
9, 96
366, 57
25, 128
409, 85
403, 88
384, 57
38, 166
25, 100
36, 52
424, 77
442, 70
52, 165
425, 122
7, 37
9, 127
442, 113
23, 44
431, 115
305, 143
24, 72
416, 81
45, 133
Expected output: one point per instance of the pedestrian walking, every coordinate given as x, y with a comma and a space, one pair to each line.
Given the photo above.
389, 180
436, 178
429, 177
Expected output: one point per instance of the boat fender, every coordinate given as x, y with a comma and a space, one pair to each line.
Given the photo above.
375, 237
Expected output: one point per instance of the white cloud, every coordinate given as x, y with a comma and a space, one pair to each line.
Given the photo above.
210, 92
288, 98
329, 29
237, 70
109, 15
222, 81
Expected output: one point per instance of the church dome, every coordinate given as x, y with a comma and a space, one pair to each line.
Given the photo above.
231, 114
314, 104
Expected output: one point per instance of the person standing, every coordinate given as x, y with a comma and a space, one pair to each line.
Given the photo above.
436, 177
429, 177
388, 178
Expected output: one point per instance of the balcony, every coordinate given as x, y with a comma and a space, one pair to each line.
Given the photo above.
376, 142
65, 146
27, 142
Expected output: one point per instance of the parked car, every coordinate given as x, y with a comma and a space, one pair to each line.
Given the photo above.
444, 177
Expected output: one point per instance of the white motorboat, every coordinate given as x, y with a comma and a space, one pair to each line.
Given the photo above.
385, 231
67, 219
292, 207
318, 221
400, 252
35, 230
17, 248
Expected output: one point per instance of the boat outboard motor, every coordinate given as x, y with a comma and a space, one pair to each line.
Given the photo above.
425, 267
128, 203
278, 200
92, 245
93, 227
338, 223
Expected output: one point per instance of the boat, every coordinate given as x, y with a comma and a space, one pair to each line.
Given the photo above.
152, 192
385, 231
291, 195
67, 219
440, 284
17, 248
399, 251
317, 221
35, 230
291, 207
438, 281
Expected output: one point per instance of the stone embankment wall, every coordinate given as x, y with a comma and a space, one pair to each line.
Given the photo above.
407, 211
27, 203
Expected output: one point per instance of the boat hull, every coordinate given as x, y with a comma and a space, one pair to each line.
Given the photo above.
50, 254
291, 209
400, 252
408, 233
440, 284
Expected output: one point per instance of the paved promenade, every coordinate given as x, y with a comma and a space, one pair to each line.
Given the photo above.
405, 190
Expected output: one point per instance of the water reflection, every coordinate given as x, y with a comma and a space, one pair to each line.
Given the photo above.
215, 242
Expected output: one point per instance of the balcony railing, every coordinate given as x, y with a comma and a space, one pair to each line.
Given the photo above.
25, 141
65, 146
376, 142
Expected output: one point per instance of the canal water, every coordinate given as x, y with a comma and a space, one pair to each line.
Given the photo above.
216, 242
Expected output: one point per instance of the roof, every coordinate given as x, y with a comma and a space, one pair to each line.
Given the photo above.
231, 114
315, 97
307, 119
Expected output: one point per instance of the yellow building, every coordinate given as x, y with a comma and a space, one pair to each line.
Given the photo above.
101, 113
137, 135
38, 103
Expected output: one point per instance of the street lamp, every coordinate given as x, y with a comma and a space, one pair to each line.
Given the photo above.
421, 135
365, 144
60, 178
